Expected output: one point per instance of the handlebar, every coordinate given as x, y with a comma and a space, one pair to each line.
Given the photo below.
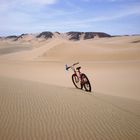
67, 67
75, 63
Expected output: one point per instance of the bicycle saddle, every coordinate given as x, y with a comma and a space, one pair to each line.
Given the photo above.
78, 68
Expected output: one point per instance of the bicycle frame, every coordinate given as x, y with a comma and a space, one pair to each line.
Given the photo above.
78, 72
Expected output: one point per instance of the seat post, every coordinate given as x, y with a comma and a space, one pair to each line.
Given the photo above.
78, 68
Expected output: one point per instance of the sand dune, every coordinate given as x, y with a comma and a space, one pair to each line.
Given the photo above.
112, 64
31, 110
101, 49
39, 101
109, 49
35, 50
119, 79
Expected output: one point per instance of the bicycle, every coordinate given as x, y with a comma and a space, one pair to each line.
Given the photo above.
79, 79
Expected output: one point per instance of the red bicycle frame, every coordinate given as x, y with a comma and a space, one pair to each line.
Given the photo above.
75, 72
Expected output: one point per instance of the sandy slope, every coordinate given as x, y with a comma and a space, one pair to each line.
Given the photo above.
39, 101
112, 64
119, 79
35, 50
31, 110
108, 49
103, 49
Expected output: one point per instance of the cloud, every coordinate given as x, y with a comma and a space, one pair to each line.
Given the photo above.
122, 13
7, 5
41, 2
29, 1
11, 6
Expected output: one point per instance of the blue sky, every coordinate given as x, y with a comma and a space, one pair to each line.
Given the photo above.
116, 17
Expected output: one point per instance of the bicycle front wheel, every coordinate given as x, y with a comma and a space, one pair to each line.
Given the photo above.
76, 81
85, 82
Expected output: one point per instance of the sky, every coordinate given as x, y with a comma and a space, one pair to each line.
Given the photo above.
115, 17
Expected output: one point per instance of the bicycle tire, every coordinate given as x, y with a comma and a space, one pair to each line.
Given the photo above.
76, 81
86, 83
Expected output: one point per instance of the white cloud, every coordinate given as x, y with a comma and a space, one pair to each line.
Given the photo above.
124, 12
29, 1
10, 6
42, 2
9, 3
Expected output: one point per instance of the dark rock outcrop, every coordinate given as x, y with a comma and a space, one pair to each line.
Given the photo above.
20, 37
89, 35
58, 33
46, 35
11, 37
74, 35
86, 35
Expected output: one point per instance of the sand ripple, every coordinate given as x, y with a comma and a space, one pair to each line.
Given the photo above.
36, 111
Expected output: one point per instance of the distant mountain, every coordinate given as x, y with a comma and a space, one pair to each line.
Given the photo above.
11, 37
46, 35
86, 35
20, 37
73, 35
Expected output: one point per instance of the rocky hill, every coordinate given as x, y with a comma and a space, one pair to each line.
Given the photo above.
45, 35
75, 36
86, 35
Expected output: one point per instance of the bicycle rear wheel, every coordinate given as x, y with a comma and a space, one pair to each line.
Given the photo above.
85, 82
76, 81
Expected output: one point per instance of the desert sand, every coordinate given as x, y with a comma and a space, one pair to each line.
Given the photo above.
38, 100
